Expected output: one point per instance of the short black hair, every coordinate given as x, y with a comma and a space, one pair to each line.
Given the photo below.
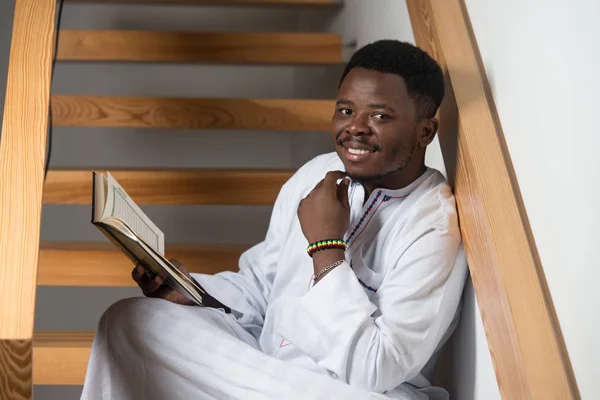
422, 74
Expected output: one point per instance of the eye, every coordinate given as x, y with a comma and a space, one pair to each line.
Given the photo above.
381, 116
345, 111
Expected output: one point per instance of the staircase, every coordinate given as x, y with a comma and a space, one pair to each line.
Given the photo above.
60, 357
524, 337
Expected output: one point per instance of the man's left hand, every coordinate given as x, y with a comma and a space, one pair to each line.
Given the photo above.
325, 212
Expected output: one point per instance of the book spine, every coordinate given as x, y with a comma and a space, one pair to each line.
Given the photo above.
93, 194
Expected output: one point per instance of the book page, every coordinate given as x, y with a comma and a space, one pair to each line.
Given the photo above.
124, 208
99, 196
140, 253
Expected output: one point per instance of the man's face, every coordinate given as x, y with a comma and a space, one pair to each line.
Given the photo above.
374, 125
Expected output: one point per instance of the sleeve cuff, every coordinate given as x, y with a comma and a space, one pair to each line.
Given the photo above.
338, 296
334, 308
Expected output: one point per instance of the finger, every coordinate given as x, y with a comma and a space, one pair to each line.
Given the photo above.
150, 288
162, 292
318, 185
342, 192
332, 177
138, 274
167, 293
177, 264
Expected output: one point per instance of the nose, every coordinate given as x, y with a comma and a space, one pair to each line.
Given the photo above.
359, 126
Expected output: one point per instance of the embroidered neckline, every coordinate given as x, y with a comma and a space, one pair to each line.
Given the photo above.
398, 194
392, 194
365, 214
366, 286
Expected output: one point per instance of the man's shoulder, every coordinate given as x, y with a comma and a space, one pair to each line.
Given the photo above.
322, 164
434, 202
309, 174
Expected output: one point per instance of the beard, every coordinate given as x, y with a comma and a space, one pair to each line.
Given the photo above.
370, 180
373, 180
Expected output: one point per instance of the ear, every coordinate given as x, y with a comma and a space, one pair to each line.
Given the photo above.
426, 131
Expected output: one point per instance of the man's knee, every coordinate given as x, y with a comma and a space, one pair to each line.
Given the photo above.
124, 314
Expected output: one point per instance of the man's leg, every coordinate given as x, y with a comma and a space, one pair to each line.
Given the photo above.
148, 349
152, 349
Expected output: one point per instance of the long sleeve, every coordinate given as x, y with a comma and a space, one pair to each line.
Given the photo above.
381, 342
247, 291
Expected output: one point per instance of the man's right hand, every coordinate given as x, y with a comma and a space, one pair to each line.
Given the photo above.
156, 287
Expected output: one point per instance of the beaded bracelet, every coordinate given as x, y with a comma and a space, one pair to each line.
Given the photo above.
326, 245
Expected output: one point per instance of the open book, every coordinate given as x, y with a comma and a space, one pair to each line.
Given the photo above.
125, 224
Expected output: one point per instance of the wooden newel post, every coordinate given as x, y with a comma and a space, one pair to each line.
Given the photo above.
22, 155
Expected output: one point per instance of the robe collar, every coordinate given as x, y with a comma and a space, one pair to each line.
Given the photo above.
402, 192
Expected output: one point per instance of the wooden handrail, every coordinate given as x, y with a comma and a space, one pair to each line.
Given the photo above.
22, 151
523, 334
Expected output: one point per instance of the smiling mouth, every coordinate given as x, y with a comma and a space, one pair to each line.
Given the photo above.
358, 151
355, 155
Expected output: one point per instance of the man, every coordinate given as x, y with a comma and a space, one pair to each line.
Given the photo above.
358, 317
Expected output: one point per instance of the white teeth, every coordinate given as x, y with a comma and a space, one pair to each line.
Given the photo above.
357, 151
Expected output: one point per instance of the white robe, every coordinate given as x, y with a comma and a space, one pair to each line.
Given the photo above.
370, 326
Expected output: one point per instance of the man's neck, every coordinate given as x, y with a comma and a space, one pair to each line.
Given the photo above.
398, 180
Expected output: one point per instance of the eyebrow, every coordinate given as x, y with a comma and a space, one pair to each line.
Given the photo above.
381, 105
376, 105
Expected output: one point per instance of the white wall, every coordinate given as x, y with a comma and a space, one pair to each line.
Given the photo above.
466, 368
542, 60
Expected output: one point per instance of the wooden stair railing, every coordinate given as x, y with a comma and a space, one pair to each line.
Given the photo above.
22, 153
522, 330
